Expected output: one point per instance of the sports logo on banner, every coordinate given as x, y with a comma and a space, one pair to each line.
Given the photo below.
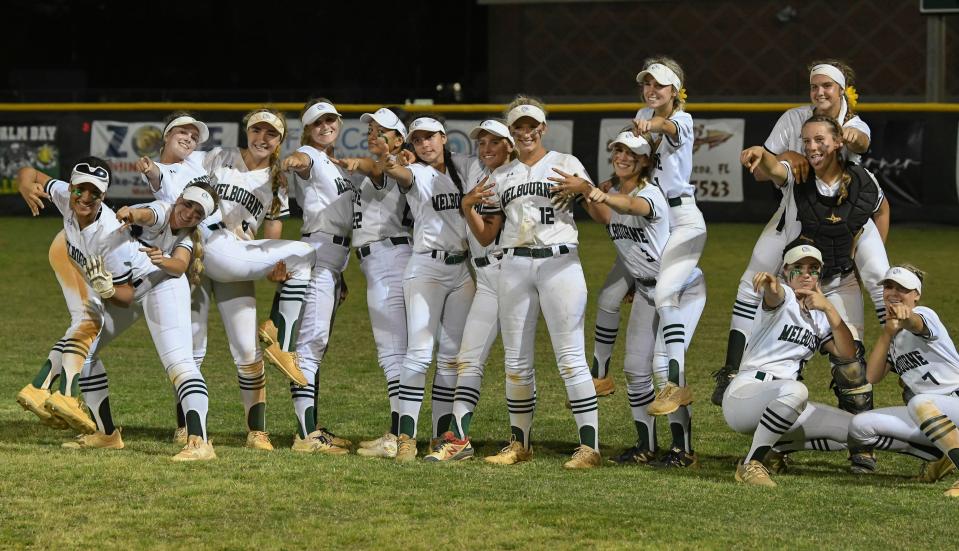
717, 144
27, 145
352, 139
123, 143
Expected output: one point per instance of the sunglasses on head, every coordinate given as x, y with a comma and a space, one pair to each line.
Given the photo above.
97, 171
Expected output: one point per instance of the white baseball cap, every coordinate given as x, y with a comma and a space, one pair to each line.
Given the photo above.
662, 74
525, 110
426, 124
187, 120
202, 197
317, 110
799, 252
86, 173
494, 127
636, 144
387, 119
903, 277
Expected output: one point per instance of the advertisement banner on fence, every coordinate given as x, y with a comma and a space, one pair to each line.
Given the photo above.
27, 145
352, 139
122, 143
895, 158
716, 147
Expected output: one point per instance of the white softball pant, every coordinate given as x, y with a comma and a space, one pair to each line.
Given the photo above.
438, 298
482, 322
383, 267
747, 398
687, 239
927, 420
556, 286
319, 305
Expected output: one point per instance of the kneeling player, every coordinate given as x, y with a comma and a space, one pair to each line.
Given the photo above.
917, 346
766, 398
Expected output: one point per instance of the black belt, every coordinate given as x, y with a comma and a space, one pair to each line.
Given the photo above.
484, 261
646, 281
364, 251
676, 201
336, 239
538, 252
449, 258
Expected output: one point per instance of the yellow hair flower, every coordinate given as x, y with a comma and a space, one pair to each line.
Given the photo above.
682, 94
851, 96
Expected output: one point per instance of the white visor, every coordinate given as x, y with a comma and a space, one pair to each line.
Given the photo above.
904, 277
202, 197
387, 119
800, 252
317, 110
187, 120
636, 144
525, 110
830, 71
662, 74
96, 175
495, 128
426, 124
270, 119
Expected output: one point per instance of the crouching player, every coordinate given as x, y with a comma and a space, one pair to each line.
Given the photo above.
765, 398
916, 345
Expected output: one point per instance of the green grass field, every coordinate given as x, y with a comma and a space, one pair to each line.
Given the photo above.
138, 498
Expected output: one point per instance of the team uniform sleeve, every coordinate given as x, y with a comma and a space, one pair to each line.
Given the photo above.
420, 174
119, 262
185, 243
790, 177
648, 194
59, 192
933, 324
572, 165
778, 141
859, 125
684, 130
161, 209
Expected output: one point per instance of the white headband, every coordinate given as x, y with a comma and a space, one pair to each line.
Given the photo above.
525, 110
904, 277
317, 110
268, 118
831, 72
201, 197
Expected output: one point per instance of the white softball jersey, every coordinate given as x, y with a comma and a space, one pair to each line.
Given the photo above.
784, 338
175, 177
478, 173
523, 194
640, 240
327, 197
380, 213
927, 365
435, 203
104, 237
673, 157
159, 234
786, 135
246, 196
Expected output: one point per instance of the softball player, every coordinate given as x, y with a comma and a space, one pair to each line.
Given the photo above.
831, 93
96, 241
437, 286
540, 270
636, 218
75, 292
765, 398
832, 207
494, 147
250, 185
381, 236
327, 199
672, 131
916, 345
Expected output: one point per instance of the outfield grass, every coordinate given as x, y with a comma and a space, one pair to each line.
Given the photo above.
138, 498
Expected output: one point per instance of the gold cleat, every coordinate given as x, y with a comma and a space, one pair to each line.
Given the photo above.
316, 443
196, 450
32, 399
604, 386
69, 410
287, 362
754, 473
584, 457
96, 440
180, 436
259, 440
934, 471
384, 446
334, 439
405, 448
513, 453
670, 398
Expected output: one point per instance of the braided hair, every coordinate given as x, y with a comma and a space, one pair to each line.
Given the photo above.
277, 176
